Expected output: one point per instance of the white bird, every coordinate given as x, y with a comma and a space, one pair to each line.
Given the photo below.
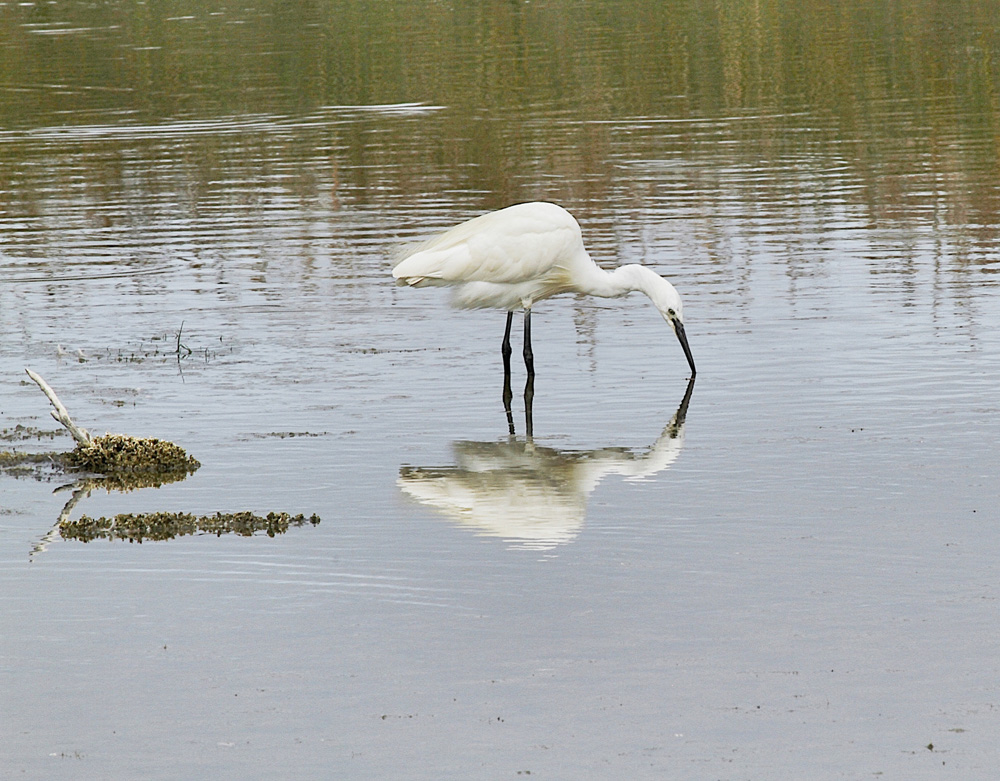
511, 258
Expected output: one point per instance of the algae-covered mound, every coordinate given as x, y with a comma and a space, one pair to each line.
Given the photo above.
125, 463
116, 453
165, 526
40, 466
118, 456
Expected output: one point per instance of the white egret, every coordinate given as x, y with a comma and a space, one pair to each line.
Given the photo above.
512, 258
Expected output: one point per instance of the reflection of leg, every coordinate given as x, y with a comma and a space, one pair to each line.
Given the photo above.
529, 358
529, 397
507, 396
505, 347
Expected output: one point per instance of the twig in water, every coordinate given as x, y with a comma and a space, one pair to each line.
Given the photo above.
81, 435
179, 345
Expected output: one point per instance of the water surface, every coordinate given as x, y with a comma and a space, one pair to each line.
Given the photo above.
795, 578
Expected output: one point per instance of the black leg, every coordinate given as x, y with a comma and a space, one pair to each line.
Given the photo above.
529, 397
507, 396
529, 358
505, 347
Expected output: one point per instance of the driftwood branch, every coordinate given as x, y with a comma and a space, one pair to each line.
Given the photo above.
81, 435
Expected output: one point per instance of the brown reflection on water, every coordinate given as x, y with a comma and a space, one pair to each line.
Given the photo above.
205, 123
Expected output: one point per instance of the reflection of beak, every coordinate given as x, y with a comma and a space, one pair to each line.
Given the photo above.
682, 338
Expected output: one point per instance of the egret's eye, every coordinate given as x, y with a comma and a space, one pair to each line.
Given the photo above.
672, 313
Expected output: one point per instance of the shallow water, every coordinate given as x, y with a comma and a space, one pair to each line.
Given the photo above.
796, 578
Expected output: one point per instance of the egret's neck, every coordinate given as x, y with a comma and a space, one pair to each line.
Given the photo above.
623, 280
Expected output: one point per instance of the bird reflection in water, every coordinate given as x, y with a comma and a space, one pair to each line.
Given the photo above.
534, 497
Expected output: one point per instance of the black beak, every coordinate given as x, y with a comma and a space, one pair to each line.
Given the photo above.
682, 338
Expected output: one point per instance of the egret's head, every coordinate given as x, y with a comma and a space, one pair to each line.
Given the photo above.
668, 301
663, 295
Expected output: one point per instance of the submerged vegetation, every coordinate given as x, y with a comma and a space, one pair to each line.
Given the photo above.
141, 527
35, 465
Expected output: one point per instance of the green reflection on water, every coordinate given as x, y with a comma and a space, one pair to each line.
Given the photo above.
595, 58
540, 99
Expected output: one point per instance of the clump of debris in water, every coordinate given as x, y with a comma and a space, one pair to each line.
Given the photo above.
134, 461
118, 462
116, 453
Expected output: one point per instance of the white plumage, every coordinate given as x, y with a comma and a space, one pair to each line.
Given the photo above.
512, 258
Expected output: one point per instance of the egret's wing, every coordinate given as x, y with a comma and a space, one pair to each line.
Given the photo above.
510, 246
